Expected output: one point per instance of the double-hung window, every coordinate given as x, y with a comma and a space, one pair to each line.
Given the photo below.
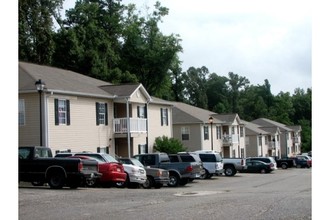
62, 112
206, 132
164, 116
185, 132
21, 112
101, 113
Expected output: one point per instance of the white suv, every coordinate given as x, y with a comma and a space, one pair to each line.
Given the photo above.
212, 163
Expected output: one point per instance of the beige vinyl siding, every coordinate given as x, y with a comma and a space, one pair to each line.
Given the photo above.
155, 129
82, 134
194, 142
29, 133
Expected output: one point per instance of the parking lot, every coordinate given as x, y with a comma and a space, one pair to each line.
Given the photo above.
283, 194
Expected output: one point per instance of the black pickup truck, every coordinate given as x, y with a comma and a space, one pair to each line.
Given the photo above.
38, 166
285, 162
180, 173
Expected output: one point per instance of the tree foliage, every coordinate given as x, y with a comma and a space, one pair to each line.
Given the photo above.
168, 145
113, 42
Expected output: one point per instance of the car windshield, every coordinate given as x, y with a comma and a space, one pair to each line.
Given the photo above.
109, 158
132, 161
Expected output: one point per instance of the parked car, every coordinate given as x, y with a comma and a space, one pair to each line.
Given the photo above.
212, 163
156, 177
266, 160
188, 157
302, 162
136, 175
37, 165
180, 173
306, 157
233, 165
112, 171
255, 166
285, 162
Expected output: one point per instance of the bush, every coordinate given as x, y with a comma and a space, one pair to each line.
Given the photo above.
168, 145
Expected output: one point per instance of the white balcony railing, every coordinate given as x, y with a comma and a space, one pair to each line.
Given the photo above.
136, 125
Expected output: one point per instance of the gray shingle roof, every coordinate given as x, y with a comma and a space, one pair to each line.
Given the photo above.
227, 118
59, 80
267, 123
184, 113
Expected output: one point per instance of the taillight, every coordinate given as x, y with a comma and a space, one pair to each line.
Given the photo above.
189, 168
242, 162
80, 166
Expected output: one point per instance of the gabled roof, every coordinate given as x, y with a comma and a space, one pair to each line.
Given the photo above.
68, 82
125, 90
187, 114
253, 129
267, 123
227, 119
59, 81
296, 128
155, 100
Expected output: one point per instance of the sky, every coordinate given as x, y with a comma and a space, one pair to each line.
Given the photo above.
255, 39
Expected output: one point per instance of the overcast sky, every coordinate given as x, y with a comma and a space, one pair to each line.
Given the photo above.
255, 39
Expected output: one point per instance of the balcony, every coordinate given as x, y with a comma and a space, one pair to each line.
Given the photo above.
137, 125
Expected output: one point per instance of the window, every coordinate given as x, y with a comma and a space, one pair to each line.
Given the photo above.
143, 149
141, 112
232, 130
218, 128
260, 140
101, 113
21, 112
62, 112
164, 116
185, 132
206, 132
241, 131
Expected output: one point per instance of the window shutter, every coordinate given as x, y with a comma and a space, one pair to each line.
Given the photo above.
106, 113
166, 113
138, 111
145, 110
98, 149
56, 111
161, 117
67, 112
97, 113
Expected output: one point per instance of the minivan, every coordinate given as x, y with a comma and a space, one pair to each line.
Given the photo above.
212, 163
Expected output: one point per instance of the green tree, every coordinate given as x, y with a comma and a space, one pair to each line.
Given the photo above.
168, 145
282, 110
306, 135
88, 41
236, 83
36, 32
195, 86
217, 93
147, 52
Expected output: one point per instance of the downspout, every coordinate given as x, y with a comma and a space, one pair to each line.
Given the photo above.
128, 129
147, 124
45, 120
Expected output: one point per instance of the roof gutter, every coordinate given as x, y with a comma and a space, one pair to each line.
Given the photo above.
52, 91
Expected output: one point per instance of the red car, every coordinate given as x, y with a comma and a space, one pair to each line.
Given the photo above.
112, 171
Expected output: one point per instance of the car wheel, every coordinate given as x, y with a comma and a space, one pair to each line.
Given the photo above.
284, 166
298, 166
230, 171
56, 180
123, 184
205, 174
262, 171
90, 182
148, 183
174, 180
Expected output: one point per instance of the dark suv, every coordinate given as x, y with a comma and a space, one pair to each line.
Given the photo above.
269, 160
